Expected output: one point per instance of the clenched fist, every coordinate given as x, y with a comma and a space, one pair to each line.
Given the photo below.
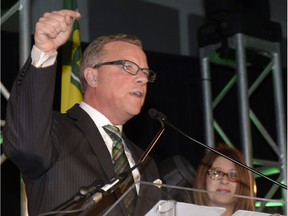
53, 29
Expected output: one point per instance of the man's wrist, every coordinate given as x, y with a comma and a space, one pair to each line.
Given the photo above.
42, 59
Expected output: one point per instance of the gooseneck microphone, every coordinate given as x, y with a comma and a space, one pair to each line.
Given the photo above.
161, 117
94, 193
122, 176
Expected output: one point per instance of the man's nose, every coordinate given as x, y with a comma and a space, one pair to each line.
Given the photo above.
141, 77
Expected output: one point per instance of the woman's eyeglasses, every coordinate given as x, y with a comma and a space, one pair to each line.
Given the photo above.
217, 175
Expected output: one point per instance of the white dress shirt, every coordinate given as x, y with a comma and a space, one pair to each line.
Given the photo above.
100, 120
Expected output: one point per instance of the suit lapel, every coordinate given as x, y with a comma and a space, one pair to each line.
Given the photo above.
87, 126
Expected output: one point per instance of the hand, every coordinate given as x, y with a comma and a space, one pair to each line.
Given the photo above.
53, 29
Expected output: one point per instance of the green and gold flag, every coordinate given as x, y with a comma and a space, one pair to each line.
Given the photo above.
72, 54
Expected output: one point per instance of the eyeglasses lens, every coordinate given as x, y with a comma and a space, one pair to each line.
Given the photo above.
217, 175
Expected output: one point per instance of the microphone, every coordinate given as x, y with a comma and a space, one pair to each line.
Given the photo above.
162, 118
92, 194
94, 199
109, 188
157, 115
98, 189
114, 183
83, 193
97, 193
97, 196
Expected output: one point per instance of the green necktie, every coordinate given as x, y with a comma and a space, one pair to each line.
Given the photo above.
121, 165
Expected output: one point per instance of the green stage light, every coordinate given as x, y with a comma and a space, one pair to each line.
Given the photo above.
270, 204
268, 171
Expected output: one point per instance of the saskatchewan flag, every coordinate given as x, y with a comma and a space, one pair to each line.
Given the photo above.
72, 54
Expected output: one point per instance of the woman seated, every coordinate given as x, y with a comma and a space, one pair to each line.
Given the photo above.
218, 174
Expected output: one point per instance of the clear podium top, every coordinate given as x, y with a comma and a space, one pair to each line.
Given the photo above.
176, 200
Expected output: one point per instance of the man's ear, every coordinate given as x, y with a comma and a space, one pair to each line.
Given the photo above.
91, 75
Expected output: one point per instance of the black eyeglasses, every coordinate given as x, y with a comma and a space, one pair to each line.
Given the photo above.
217, 175
131, 68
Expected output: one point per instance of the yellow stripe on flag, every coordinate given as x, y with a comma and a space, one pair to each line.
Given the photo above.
72, 54
70, 94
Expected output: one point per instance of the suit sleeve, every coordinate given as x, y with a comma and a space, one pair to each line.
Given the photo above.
29, 119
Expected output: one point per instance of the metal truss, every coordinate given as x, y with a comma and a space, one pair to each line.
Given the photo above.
23, 6
240, 43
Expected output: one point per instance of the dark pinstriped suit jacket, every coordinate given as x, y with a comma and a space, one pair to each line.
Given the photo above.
58, 153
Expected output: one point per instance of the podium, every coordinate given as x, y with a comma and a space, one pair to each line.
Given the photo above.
182, 202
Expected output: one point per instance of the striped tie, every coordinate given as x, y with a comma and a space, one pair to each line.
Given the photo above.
121, 165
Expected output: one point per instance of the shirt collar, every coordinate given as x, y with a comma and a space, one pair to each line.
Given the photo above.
99, 119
